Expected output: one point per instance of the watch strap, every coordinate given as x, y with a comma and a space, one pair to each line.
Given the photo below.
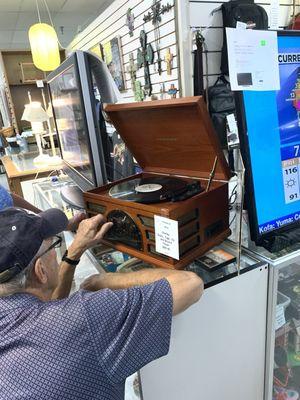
68, 260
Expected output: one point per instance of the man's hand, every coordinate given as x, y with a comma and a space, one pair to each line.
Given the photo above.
90, 232
75, 221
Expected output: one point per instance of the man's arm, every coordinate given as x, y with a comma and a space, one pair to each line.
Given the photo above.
90, 232
186, 287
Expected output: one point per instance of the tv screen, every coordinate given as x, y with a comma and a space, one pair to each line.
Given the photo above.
70, 122
273, 145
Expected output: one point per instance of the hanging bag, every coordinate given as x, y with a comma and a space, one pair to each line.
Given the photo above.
245, 11
221, 104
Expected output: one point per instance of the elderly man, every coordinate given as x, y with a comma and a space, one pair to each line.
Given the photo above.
84, 346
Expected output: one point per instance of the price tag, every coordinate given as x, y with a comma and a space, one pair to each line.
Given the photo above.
241, 25
274, 14
232, 123
280, 318
39, 83
166, 236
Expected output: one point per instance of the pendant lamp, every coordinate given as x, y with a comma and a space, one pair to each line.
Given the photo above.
44, 44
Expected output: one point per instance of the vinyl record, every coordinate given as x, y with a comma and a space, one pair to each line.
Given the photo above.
148, 190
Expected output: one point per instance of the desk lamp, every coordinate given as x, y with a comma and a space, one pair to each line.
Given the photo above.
36, 115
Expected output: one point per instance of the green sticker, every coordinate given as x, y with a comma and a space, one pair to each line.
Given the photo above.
263, 42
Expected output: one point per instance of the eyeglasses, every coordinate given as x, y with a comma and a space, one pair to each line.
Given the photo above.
54, 245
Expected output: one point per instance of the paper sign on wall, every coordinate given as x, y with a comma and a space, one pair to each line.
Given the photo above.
252, 59
166, 236
274, 14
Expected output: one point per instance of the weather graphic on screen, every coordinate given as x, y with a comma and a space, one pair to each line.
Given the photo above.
273, 128
288, 103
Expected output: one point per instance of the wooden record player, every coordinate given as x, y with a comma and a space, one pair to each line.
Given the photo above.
168, 138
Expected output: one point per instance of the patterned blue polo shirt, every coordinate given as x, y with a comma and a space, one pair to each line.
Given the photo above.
82, 347
5, 198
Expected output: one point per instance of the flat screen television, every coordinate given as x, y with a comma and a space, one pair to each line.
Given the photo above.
74, 89
269, 126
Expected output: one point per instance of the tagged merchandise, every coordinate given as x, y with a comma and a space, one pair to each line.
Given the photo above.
245, 11
221, 104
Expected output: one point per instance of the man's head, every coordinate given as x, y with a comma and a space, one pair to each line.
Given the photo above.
27, 254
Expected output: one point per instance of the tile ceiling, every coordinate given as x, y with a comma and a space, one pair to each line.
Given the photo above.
69, 17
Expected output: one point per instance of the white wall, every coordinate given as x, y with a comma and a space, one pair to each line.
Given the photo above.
112, 22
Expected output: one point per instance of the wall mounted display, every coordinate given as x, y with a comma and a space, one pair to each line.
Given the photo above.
139, 94
113, 58
127, 21
169, 61
157, 10
130, 21
131, 69
172, 91
145, 56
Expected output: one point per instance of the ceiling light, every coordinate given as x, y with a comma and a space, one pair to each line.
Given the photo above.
44, 44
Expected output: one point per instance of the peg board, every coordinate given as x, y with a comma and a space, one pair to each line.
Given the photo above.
112, 23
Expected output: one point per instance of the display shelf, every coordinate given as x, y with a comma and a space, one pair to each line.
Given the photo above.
217, 348
211, 278
283, 333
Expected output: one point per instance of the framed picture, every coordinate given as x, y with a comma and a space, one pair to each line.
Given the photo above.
30, 73
98, 50
114, 61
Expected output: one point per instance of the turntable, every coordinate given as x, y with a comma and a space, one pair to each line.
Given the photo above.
177, 208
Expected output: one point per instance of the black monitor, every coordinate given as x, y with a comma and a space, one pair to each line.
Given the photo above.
75, 87
269, 126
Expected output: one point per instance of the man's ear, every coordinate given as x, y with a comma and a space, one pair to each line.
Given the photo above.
40, 271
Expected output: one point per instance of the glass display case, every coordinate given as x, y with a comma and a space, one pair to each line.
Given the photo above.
47, 193
283, 330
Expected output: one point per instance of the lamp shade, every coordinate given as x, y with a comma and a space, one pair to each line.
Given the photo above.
44, 47
34, 112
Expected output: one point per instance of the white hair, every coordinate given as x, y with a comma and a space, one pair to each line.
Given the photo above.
21, 281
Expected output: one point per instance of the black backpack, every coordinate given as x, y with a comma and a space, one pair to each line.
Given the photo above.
221, 103
245, 11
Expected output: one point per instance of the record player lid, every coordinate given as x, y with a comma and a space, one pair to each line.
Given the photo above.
173, 136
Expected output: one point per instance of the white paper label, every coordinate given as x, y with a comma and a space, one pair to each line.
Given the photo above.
280, 318
274, 14
241, 25
166, 236
252, 59
39, 83
232, 123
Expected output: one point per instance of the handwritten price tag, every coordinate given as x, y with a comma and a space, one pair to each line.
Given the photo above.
166, 236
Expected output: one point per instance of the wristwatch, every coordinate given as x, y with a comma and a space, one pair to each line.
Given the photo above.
68, 260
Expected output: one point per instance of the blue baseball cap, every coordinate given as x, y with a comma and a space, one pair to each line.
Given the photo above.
21, 235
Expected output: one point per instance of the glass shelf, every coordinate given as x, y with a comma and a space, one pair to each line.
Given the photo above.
286, 369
